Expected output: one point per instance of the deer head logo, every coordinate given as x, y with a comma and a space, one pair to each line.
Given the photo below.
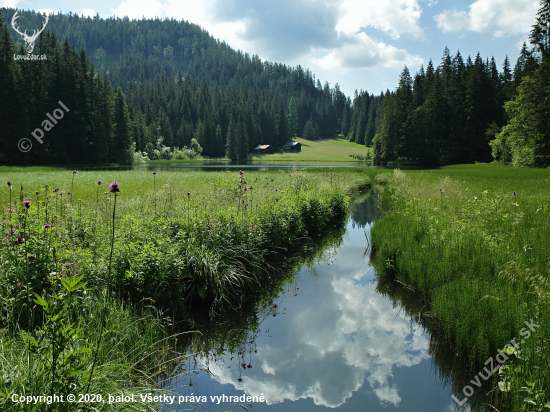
29, 40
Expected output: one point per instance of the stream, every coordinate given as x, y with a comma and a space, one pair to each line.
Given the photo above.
332, 339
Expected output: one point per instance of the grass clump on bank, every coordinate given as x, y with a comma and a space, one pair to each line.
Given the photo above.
94, 282
473, 241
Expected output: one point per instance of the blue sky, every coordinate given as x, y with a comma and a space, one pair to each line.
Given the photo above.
359, 44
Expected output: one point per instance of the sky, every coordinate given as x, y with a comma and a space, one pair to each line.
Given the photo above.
359, 44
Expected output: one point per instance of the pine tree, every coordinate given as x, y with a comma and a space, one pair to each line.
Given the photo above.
231, 146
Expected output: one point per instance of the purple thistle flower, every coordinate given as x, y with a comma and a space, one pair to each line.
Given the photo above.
154, 173
9, 183
47, 226
74, 172
20, 240
514, 193
250, 188
27, 203
252, 226
272, 180
232, 217
68, 193
37, 193
441, 190
188, 193
245, 189
56, 190
99, 182
31, 256
114, 187
241, 172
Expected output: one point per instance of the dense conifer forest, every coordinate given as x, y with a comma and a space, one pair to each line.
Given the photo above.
469, 111
162, 89
151, 85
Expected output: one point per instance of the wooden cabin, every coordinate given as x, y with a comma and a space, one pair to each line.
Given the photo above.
292, 147
264, 149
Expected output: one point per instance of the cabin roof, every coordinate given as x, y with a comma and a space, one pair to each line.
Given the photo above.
262, 147
291, 144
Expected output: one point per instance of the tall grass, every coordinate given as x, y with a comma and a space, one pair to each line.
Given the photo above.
141, 260
473, 241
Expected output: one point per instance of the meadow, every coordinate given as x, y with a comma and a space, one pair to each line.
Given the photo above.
99, 270
472, 242
336, 149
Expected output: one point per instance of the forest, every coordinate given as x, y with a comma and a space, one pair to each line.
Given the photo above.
153, 94
465, 112
162, 89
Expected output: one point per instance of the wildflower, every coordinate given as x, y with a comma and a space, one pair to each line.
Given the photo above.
114, 187
47, 226
105, 193
441, 190
74, 172
9, 183
514, 193
241, 172
46, 187
253, 227
27, 203
56, 190
272, 180
99, 182
232, 217
68, 193
37, 193
19, 240
188, 194
212, 220
250, 188
276, 199
31, 256
154, 173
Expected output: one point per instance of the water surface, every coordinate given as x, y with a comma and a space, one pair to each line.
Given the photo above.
331, 340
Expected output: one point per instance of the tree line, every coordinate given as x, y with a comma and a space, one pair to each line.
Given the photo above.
176, 84
469, 111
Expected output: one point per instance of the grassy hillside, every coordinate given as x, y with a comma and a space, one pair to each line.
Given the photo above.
336, 149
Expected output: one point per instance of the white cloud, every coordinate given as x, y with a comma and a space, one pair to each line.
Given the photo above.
397, 17
88, 13
137, 9
361, 51
499, 17
12, 4
292, 32
47, 11
356, 336
452, 20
